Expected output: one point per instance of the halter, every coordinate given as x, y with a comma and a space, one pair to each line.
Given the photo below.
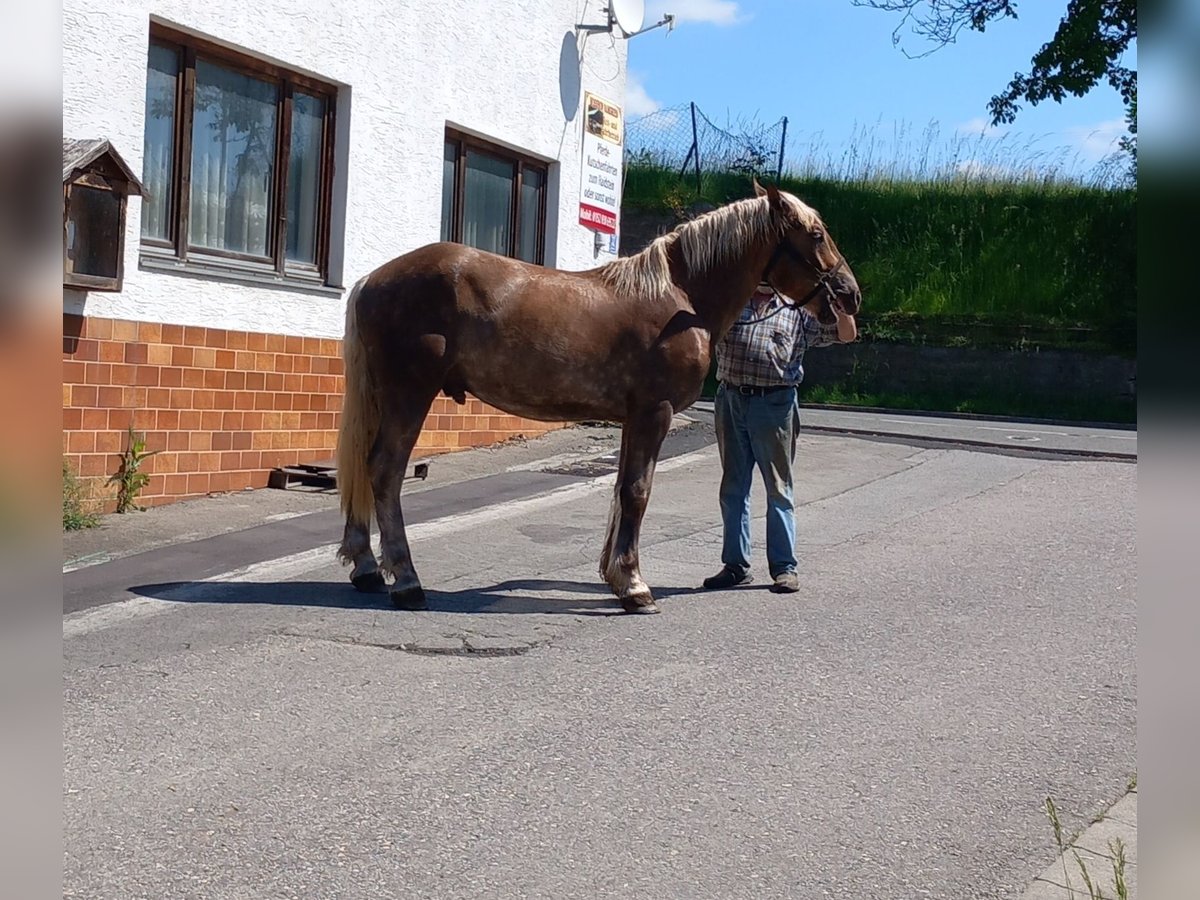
786, 246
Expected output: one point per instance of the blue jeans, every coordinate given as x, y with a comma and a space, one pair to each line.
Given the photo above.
757, 431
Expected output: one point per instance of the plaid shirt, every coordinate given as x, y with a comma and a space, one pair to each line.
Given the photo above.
767, 348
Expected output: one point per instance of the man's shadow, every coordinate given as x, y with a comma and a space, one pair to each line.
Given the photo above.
513, 597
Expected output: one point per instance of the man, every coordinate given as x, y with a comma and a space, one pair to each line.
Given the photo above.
759, 364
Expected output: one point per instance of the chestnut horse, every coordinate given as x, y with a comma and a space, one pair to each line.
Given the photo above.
629, 342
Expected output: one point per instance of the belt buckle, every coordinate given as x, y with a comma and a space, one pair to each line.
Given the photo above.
747, 390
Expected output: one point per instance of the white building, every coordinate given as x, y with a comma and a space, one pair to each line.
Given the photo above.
286, 149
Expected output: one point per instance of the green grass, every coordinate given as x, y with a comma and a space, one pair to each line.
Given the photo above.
1019, 259
962, 255
1118, 863
78, 506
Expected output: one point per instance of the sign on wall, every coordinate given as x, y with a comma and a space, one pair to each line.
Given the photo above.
600, 182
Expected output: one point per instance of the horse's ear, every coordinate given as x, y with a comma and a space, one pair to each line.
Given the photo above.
758, 188
774, 201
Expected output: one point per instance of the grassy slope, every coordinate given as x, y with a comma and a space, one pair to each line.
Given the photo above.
965, 262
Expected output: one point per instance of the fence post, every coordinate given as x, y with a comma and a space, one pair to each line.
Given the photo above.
782, 144
696, 144
687, 161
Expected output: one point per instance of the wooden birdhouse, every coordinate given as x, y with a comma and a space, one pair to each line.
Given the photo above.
96, 184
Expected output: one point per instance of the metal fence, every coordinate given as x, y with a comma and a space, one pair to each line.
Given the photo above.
684, 139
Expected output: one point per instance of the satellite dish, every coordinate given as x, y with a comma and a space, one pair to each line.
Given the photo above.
629, 14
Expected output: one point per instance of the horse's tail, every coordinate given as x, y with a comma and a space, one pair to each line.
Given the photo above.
360, 422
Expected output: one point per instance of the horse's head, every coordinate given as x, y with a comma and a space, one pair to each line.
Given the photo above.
806, 264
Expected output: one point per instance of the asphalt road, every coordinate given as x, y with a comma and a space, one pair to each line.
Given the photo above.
963, 646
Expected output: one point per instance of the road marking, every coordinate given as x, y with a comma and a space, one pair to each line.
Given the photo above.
930, 423
1010, 430
83, 562
560, 459
294, 565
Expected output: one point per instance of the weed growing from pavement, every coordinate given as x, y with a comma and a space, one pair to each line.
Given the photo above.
1116, 847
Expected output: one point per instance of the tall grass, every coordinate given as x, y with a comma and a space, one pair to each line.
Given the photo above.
902, 153
972, 231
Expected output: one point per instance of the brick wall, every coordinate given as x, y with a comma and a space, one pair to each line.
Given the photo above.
223, 408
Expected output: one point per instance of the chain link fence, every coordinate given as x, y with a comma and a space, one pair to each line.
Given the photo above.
685, 140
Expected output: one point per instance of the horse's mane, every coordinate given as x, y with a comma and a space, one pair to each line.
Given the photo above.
705, 243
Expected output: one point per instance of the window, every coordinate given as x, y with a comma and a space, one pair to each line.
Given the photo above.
493, 199
238, 161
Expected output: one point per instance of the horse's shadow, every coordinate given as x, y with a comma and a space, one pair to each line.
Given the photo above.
513, 597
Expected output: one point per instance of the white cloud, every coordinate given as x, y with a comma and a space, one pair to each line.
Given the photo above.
711, 12
985, 171
1090, 142
979, 127
1094, 142
637, 101
664, 120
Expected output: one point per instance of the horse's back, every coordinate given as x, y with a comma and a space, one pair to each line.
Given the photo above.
538, 342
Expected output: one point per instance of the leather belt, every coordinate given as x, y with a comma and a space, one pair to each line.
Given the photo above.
753, 390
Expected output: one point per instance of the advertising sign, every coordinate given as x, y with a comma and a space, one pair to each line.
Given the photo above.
600, 182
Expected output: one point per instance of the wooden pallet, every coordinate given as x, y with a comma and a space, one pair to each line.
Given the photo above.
323, 474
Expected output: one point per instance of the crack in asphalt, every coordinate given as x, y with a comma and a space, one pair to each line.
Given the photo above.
464, 648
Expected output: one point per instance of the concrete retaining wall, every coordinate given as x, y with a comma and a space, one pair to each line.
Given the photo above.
904, 368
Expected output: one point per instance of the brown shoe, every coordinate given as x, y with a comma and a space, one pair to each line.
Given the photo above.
785, 583
727, 578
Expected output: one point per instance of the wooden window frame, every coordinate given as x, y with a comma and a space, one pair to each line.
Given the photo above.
177, 246
521, 162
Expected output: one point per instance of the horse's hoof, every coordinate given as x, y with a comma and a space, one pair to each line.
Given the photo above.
410, 598
369, 582
640, 605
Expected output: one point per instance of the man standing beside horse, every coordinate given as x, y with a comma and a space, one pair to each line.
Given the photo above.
760, 362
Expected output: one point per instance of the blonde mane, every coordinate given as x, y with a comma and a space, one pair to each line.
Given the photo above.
705, 243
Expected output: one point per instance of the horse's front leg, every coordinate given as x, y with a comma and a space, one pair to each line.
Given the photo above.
641, 440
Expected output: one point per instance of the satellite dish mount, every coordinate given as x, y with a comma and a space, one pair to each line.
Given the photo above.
625, 17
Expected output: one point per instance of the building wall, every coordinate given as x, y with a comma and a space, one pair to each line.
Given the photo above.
221, 408
512, 73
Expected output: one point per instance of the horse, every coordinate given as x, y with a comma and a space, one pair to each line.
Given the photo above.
630, 341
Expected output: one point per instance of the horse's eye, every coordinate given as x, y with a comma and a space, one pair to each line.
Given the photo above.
818, 237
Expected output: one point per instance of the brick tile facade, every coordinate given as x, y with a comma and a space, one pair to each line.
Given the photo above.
222, 407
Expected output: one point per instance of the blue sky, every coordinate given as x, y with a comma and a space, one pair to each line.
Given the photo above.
831, 67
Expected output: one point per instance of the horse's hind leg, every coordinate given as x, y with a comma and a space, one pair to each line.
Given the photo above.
399, 428
356, 548
641, 440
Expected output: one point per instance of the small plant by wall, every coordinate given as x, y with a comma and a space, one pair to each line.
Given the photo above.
130, 479
78, 508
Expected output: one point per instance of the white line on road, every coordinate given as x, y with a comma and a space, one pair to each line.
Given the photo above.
1012, 430
296, 564
562, 459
